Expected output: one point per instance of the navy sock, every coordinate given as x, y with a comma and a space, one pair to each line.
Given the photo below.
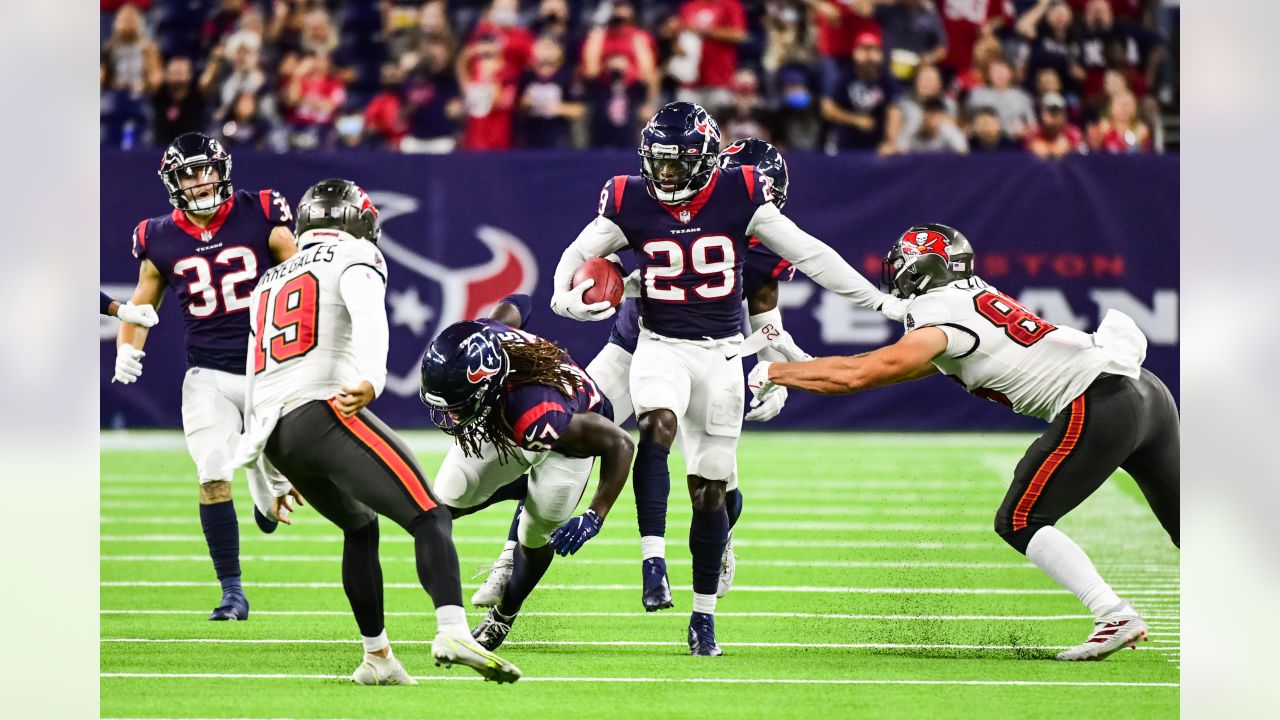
651, 481
222, 535
708, 533
529, 567
362, 578
513, 533
733, 503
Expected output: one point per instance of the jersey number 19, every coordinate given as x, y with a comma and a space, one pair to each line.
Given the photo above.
286, 320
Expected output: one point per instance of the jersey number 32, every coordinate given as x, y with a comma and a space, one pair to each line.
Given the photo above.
285, 321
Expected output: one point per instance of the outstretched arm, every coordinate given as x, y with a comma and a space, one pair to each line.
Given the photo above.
590, 434
513, 310
910, 358
816, 259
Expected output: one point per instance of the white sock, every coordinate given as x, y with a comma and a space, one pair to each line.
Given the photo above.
653, 546
508, 551
451, 618
1061, 559
704, 603
374, 644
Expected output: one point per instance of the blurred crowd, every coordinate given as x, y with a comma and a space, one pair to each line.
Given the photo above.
1051, 77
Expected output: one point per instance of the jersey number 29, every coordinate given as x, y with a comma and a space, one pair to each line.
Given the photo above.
285, 321
719, 273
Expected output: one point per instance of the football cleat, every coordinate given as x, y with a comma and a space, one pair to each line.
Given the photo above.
376, 670
1111, 632
461, 649
235, 606
702, 635
728, 564
490, 592
657, 589
493, 629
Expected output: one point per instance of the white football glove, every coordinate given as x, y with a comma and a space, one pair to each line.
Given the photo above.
128, 364
632, 285
143, 315
894, 308
568, 303
758, 382
786, 345
769, 404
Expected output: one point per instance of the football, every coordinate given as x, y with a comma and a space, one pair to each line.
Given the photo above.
608, 285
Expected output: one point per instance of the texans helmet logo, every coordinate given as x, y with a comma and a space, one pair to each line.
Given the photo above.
706, 126
483, 361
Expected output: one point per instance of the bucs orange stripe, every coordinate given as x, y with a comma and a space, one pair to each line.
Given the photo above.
1050, 464
405, 474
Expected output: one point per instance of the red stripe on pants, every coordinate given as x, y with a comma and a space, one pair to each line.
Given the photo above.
389, 455
1074, 426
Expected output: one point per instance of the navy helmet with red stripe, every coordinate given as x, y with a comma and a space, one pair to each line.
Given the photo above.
765, 158
196, 156
678, 149
462, 375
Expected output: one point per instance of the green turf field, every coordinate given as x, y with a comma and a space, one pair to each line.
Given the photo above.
869, 584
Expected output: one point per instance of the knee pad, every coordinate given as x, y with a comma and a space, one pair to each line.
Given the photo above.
713, 463
452, 485
1017, 539
533, 533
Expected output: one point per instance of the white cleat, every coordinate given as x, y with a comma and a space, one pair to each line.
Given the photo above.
1112, 632
462, 649
490, 592
728, 564
375, 670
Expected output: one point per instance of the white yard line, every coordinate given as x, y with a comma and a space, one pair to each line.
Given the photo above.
848, 564
632, 587
503, 522
712, 681
606, 643
649, 617
496, 541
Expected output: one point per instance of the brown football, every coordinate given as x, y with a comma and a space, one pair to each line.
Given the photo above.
608, 285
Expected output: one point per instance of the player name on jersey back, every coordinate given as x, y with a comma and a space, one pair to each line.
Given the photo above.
301, 348
1000, 351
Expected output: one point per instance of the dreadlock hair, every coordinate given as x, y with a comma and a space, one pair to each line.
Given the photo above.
533, 362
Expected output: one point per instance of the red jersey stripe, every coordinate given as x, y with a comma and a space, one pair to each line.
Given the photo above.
532, 415
389, 455
1050, 465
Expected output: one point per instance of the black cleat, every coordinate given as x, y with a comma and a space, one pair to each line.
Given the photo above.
702, 635
493, 629
235, 606
657, 589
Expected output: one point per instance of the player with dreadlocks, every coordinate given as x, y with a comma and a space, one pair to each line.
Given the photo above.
518, 405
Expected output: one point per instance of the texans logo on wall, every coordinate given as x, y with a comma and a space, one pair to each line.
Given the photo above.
464, 293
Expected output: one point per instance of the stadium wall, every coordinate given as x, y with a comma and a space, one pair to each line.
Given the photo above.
1068, 239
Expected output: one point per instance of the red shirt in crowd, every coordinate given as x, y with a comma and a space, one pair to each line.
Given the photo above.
516, 43
318, 100
719, 59
1119, 8
1104, 137
622, 41
490, 113
963, 19
1068, 140
835, 37
382, 116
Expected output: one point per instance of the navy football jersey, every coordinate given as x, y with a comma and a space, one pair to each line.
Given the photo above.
691, 256
213, 270
762, 265
540, 414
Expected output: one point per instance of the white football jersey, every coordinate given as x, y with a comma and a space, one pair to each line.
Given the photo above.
1000, 351
300, 342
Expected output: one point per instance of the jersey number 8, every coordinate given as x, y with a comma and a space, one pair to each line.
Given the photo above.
1019, 323
657, 278
293, 311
